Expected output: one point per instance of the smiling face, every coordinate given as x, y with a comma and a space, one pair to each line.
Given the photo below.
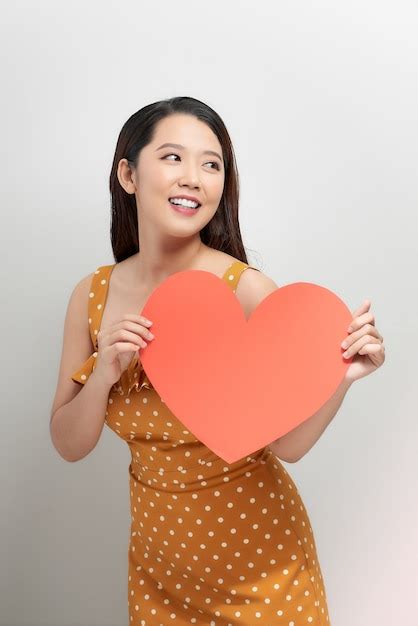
195, 169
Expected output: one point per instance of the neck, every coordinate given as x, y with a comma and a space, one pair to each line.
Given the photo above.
156, 261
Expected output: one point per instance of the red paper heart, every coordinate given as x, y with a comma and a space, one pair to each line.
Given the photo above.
239, 384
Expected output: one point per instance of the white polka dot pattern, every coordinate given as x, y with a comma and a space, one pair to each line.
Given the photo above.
211, 542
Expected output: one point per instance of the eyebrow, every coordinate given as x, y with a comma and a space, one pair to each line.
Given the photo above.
180, 147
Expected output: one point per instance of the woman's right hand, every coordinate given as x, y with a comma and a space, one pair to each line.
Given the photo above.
118, 344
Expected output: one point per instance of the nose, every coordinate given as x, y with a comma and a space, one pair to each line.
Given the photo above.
190, 177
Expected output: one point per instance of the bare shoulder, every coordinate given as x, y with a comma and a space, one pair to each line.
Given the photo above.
76, 342
78, 301
253, 287
84, 284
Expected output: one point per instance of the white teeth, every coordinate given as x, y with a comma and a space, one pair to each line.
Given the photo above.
187, 203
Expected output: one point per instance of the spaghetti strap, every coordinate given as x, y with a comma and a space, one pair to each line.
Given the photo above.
97, 299
233, 273
133, 376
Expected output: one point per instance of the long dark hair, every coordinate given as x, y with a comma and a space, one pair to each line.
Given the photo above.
223, 231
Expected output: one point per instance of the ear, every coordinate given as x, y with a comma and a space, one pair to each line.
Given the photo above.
126, 176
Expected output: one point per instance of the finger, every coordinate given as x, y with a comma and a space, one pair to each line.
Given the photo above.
126, 335
365, 306
122, 346
136, 328
377, 334
359, 344
372, 348
137, 318
363, 330
361, 320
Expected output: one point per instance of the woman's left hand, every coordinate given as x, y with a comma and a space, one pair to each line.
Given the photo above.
365, 343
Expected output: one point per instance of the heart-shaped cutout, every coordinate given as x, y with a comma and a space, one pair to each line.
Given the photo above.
239, 384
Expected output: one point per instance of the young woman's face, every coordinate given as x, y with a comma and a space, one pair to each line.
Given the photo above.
189, 170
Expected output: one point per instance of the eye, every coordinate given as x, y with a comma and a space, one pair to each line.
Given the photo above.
176, 155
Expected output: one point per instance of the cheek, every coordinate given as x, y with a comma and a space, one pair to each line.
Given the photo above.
155, 177
216, 190
160, 181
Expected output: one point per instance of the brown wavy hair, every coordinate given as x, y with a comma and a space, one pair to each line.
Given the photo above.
223, 231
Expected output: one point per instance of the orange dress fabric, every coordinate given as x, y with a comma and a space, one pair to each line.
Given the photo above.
223, 544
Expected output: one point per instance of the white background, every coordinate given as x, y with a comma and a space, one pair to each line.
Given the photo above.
321, 102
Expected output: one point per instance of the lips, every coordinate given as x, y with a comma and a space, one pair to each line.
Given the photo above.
182, 207
192, 198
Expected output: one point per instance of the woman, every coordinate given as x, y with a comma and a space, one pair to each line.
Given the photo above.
211, 542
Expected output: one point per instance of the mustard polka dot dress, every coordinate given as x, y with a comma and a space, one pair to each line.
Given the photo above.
223, 544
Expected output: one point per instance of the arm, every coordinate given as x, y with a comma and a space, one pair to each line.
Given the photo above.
76, 426
252, 288
78, 411
296, 443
